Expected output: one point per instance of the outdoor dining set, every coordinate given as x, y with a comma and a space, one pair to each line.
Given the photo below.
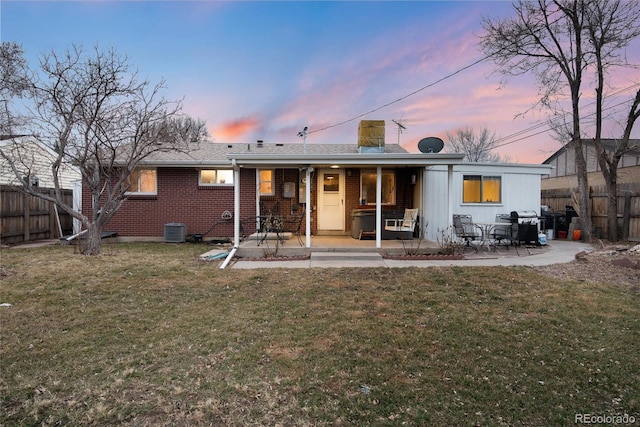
514, 229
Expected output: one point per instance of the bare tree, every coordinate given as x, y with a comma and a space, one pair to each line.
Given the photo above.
611, 27
557, 40
477, 147
15, 81
545, 38
95, 113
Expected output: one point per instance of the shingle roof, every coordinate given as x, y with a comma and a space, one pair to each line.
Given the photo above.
215, 153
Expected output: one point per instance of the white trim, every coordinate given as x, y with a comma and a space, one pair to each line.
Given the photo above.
215, 184
482, 177
355, 160
145, 193
324, 196
272, 181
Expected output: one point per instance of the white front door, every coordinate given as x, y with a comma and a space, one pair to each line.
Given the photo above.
331, 199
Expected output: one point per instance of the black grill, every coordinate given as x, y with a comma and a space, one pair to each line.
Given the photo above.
527, 226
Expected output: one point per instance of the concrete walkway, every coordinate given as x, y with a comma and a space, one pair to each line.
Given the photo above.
556, 252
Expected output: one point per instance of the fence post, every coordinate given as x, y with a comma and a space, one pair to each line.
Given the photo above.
626, 216
26, 217
52, 219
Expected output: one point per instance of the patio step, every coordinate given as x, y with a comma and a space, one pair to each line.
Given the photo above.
345, 256
346, 259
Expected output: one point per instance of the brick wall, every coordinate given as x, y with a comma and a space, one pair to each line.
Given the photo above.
180, 199
286, 205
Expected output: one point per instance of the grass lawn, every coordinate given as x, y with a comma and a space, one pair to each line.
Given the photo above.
146, 334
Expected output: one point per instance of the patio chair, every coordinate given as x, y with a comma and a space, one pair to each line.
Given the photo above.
406, 223
294, 226
503, 232
466, 230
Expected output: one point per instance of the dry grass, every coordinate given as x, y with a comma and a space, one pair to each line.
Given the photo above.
146, 334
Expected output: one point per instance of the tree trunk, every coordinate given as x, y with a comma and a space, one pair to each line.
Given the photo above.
612, 207
583, 192
93, 240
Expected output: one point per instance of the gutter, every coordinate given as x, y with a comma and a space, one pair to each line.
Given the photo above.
347, 159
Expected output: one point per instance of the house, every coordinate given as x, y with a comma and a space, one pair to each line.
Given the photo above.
220, 189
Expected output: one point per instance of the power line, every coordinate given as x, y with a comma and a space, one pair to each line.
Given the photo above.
458, 71
448, 76
549, 128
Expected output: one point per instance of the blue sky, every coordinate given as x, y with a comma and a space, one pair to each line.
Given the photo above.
264, 70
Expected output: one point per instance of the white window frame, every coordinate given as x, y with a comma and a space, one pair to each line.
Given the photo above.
145, 193
216, 183
272, 181
482, 180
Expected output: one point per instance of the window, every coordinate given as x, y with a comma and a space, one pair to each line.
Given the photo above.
481, 189
143, 181
368, 187
331, 182
216, 177
265, 182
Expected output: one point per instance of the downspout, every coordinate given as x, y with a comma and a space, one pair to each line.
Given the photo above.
379, 208
236, 215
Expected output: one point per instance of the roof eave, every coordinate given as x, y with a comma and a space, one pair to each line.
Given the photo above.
182, 163
382, 159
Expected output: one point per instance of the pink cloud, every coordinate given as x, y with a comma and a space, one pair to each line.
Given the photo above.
236, 128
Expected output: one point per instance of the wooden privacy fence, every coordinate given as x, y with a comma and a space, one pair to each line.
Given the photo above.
25, 218
628, 208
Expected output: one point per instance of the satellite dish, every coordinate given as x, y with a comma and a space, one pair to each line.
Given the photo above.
431, 144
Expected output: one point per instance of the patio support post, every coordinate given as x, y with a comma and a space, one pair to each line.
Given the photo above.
236, 207
258, 213
449, 199
307, 209
379, 207
423, 204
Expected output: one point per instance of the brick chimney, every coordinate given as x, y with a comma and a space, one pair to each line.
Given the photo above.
371, 136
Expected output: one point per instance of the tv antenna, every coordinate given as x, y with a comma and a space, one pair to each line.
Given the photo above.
401, 127
303, 134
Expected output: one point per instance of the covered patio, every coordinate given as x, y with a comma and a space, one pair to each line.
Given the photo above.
309, 165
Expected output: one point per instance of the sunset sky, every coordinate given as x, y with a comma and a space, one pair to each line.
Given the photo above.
265, 70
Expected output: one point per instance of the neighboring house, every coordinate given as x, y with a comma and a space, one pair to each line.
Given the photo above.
563, 175
328, 184
33, 159
560, 188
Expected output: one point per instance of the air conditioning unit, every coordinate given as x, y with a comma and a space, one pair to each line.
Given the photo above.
175, 232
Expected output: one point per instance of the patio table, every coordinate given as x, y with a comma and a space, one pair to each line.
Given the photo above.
486, 228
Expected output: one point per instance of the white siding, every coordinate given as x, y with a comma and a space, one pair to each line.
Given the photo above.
520, 191
436, 201
35, 160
